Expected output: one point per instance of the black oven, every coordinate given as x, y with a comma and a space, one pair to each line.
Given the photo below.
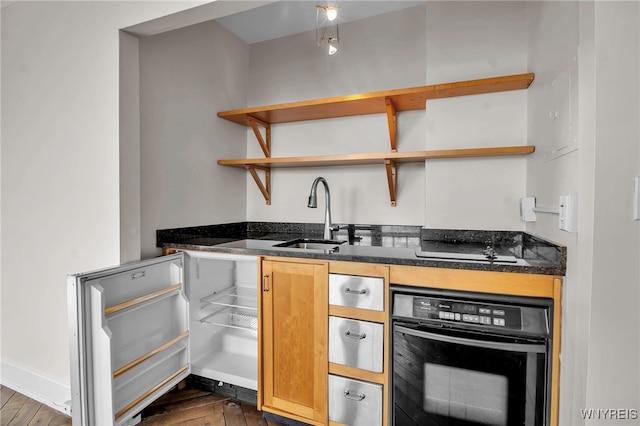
470, 359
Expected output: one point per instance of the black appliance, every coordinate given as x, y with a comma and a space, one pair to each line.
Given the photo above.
463, 358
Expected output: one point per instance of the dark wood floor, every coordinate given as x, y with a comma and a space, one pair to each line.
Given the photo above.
190, 407
185, 407
18, 410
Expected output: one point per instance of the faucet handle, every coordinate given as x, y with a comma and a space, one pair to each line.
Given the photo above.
337, 227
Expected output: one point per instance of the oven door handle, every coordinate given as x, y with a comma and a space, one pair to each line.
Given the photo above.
510, 347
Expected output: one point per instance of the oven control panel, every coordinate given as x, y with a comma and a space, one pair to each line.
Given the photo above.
483, 314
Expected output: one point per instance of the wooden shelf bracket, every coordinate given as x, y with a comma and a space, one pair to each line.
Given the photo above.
265, 143
390, 166
391, 119
265, 188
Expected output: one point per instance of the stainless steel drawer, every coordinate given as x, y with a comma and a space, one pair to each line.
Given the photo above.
354, 402
356, 343
356, 291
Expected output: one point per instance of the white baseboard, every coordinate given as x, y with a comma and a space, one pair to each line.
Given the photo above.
36, 386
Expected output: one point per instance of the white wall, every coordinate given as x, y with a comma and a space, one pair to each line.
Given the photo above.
378, 53
554, 91
434, 43
187, 76
130, 233
614, 339
590, 78
465, 41
60, 189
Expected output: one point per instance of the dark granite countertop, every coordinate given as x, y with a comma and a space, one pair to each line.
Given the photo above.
510, 251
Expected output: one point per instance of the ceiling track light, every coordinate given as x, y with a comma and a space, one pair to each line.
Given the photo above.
325, 22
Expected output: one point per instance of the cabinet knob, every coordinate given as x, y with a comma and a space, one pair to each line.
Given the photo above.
264, 282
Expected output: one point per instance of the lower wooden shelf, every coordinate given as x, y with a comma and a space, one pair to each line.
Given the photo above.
388, 159
375, 157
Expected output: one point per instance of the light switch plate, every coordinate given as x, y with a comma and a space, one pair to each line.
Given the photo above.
568, 213
526, 209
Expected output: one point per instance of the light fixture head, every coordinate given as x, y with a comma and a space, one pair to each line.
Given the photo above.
333, 48
332, 13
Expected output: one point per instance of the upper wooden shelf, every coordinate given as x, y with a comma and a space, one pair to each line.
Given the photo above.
409, 99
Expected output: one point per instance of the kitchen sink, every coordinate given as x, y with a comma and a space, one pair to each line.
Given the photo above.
311, 244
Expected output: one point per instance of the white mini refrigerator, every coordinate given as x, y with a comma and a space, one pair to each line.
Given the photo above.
138, 329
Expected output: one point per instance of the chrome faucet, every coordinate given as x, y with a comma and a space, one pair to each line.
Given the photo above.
313, 203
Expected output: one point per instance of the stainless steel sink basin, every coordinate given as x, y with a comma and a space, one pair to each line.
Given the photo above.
311, 244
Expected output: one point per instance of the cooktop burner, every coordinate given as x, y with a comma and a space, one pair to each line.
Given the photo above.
466, 252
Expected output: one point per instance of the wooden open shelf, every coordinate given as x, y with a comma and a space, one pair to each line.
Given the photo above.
389, 102
375, 158
409, 99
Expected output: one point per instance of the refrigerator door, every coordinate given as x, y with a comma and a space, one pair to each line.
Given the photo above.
129, 332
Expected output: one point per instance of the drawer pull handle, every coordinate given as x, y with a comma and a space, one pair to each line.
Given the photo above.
348, 395
349, 291
139, 274
355, 336
265, 287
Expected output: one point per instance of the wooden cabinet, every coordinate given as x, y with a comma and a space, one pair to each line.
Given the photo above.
295, 368
387, 102
359, 325
293, 330
299, 375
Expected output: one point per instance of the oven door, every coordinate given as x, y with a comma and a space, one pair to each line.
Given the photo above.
459, 377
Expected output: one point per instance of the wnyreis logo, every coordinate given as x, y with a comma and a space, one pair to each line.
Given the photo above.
609, 413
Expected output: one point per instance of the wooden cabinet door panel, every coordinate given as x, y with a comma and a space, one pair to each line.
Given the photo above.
295, 310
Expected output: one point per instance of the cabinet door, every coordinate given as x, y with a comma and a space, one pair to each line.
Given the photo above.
294, 337
129, 338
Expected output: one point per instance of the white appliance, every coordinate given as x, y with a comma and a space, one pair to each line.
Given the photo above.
138, 329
